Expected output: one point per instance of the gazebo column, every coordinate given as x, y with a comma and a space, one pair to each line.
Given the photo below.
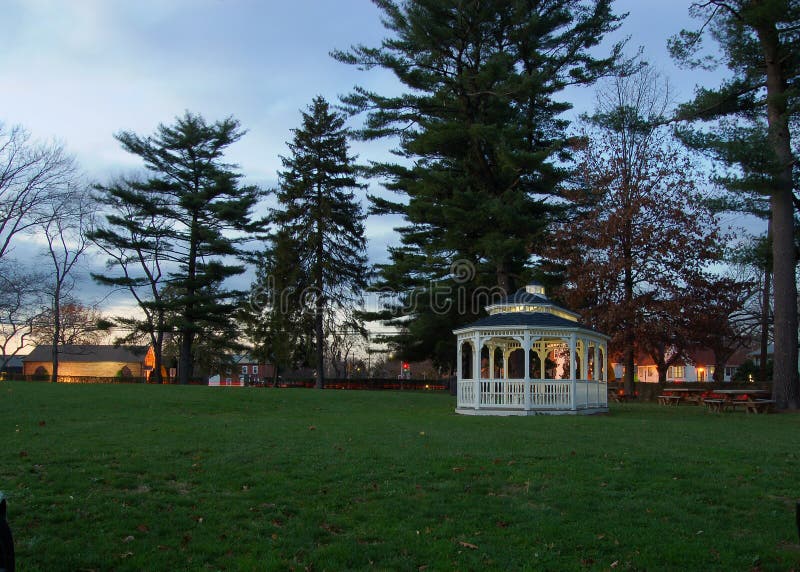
542, 353
476, 368
572, 364
491, 360
596, 372
526, 347
459, 368
585, 359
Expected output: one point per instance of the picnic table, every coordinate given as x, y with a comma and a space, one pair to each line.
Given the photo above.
752, 400
619, 396
676, 395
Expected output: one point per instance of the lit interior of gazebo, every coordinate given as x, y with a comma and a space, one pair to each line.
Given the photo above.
530, 356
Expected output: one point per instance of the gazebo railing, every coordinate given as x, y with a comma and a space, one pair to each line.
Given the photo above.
542, 394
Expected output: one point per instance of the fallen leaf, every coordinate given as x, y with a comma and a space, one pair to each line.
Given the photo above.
501, 524
312, 428
23, 454
458, 469
42, 423
615, 564
126, 554
467, 545
142, 528
128, 538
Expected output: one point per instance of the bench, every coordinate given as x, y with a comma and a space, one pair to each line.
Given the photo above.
759, 406
716, 405
734, 403
616, 397
672, 400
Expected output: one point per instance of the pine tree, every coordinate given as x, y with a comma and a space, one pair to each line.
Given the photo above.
134, 237
276, 321
480, 131
192, 188
318, 211
760, 45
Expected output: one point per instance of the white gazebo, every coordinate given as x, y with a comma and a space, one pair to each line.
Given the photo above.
531, 357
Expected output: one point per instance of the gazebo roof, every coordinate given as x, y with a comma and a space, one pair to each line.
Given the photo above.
527, 308
524, 319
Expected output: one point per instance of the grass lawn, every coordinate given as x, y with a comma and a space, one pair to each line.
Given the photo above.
103, 477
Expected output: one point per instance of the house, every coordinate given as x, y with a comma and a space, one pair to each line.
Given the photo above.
696, 367
80, 361
243, 370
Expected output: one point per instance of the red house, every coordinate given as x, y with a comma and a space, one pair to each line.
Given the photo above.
245, 370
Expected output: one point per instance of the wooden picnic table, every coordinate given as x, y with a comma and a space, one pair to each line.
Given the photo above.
686, 394
752, 400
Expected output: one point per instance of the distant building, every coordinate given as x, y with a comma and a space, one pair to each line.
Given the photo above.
13, 365
244, 370
90, 361
697, 366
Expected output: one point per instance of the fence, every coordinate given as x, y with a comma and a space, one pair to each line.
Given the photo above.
371, 384
333, 383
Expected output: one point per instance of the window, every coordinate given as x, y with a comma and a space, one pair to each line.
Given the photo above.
647, 373
254, 369
678, 372
244, 369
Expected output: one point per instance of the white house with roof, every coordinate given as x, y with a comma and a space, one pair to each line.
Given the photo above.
529, 356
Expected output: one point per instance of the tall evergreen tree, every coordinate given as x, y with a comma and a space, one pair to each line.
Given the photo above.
319, 212
760, 45
276, 322
479, 131
135, 239
192, 187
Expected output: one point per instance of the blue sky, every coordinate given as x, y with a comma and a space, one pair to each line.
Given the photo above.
81, 70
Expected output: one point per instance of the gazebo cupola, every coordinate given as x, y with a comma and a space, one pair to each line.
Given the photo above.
530, 356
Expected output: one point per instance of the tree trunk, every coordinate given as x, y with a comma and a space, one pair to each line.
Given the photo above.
765, 314
185, 358
158, 342
187, 333
319, 334
319, 303
504, 280
56, 331
662, 374
629, 335
786, 387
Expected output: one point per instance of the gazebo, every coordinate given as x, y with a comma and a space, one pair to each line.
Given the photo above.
531, 357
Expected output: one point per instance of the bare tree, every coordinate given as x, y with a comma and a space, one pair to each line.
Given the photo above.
66, 220
78, 324
20, 308
30, 173
636, 225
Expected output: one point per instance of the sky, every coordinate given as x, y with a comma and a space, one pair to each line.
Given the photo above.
79, 71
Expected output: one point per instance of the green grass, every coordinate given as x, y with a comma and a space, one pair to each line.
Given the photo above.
194, 478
